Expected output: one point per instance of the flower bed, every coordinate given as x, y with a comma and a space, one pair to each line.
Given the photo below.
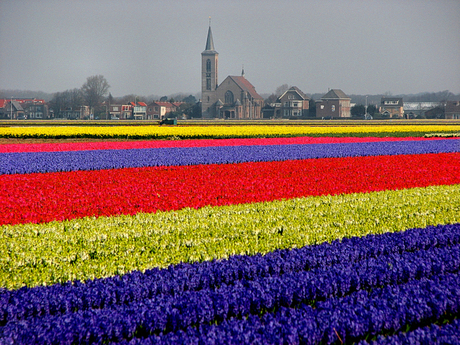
148, 144
294, 248
340, 295
215, 132
42, 162
59, 196
93, 248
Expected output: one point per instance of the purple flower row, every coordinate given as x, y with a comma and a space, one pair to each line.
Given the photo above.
338, 320
346, 319
295, 290
432, 335
137, 286
41, 162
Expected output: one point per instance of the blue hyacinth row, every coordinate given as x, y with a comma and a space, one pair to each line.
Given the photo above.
349, 318
245, 295
41, 162
430, 335
338, 320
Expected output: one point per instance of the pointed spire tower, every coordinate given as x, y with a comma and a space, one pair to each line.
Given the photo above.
209, 41
209, 81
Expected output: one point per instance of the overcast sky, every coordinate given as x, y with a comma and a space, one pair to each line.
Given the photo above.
147, 47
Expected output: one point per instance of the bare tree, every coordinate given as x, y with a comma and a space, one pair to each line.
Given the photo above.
281, 89
110, 98
58, 103
271, 99
127, 98
94, 90
75, 98
68, 99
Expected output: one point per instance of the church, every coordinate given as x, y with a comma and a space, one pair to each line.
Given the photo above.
234, 98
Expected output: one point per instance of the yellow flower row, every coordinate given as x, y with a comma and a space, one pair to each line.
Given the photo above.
235, 131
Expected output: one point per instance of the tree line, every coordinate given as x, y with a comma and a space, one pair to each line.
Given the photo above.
92, 94
95, 94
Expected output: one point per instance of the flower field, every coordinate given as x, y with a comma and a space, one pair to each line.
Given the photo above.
295, 235
231, 131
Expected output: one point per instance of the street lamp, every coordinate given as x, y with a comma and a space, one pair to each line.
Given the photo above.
365, 109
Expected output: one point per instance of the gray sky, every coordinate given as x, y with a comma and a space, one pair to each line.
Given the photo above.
154, 47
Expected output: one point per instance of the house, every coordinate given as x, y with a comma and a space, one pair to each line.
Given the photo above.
335, 103
419, 109
452, 110
126, 111
35, 108
77, 113
11, 109
234, 98
392, 107
291, 104
435, 113
23, 108
159, 110
115, 111
294, 103
153, 111
139, 110
3, 112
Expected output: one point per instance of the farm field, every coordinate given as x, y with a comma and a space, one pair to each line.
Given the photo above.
234, 234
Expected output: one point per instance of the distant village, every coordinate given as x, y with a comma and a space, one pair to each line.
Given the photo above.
234, 98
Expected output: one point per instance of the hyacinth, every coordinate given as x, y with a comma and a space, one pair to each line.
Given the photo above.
233, 131
35, 162
295, 240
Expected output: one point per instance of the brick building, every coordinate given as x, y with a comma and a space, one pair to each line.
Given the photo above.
335, 103
234, 98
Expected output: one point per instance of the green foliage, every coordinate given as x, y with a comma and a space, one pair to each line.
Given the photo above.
358, 110
372, 109
40, 254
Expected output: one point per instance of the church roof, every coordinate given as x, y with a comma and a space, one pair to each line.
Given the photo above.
209, 41
245, 85
335, 94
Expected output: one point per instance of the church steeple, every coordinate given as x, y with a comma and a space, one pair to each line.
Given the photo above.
209, 41
209, 81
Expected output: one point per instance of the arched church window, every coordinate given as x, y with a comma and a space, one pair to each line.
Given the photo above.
229, 97
208, 83
208, 65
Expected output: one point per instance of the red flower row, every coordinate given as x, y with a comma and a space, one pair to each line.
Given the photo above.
41, 198
120, 145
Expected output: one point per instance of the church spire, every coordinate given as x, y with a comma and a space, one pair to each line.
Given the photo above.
209, 41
